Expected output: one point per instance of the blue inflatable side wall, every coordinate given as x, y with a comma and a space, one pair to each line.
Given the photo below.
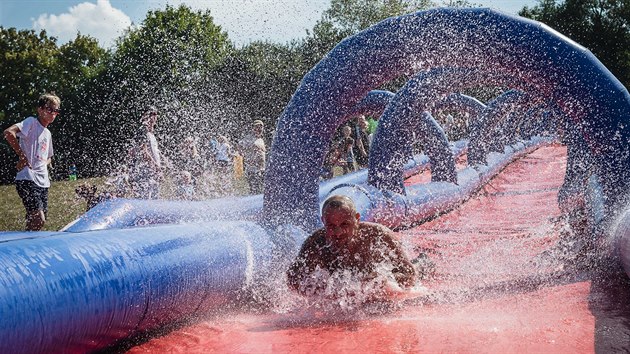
82, 291
424, 201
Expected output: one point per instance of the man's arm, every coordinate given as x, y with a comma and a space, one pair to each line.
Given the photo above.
303, 265
10, 134
362, 148
403, 270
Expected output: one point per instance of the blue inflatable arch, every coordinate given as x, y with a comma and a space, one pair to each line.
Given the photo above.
407, 113
595, 101
391, 148
373, 104
461, 102
506, 132
480, 129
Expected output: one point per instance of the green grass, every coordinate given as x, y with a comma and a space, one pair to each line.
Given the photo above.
63, 207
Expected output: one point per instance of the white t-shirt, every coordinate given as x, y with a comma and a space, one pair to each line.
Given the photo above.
254, 150
223, 151
36, 143
153, 147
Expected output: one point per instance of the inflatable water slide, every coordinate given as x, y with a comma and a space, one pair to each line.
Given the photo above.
544, 162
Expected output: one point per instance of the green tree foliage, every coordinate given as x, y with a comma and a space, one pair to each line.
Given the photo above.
602, 26
347, 17
31, 64
182, 62
260, 79
26, 66
170, 48
352, 16
167, 61
78, 62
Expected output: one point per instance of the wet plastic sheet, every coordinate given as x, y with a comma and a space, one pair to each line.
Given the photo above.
492, 292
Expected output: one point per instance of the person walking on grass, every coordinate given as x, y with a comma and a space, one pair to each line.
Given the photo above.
253, 149
146, 169
32, 142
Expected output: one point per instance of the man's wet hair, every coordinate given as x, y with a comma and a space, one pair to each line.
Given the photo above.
338, 202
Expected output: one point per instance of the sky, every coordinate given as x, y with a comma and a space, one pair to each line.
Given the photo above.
245, 21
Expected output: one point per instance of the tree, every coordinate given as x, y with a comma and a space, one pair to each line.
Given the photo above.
347, 17
79, 61
26, 66
171, 47
602, 26
352, 16
168, 61
260, 79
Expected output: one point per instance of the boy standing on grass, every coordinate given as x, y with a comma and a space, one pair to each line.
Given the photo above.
35, 150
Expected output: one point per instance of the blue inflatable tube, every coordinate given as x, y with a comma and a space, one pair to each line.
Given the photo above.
413, 166
79, 292
373, 104
421, 202
461, 102
127, 213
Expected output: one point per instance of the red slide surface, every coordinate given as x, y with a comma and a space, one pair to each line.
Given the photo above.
493, 292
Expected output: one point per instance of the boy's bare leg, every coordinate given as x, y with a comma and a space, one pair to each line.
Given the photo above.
35, 220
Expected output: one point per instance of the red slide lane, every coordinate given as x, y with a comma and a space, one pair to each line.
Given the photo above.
492, 292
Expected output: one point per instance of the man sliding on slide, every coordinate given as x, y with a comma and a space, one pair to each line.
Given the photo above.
345, 244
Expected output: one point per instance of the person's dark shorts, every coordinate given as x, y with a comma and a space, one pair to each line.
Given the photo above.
33, 196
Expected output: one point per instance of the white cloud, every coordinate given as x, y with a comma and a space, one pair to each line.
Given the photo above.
99, 20
274, 20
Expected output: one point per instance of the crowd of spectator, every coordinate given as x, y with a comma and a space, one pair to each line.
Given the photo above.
350, 149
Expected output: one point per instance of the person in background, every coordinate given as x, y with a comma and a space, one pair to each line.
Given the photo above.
362, 142
330, 161
449, 125
185, 186
72, 172
225, 167
346, 150
253, 149
209, 151
189, 159
372, 124
118, 183
146, 170
32, 142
